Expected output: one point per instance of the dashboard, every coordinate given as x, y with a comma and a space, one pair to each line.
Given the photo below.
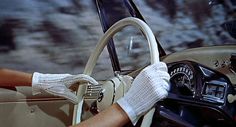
201, 80
195, 81
216, 57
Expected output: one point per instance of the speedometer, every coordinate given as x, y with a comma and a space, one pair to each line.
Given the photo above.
182, 79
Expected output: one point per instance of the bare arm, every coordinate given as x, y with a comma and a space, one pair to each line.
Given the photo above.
114, 116
14, 78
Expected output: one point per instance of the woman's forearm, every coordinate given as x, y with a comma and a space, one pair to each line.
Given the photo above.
14, 78
114, 116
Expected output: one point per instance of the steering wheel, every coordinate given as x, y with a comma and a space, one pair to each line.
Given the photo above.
154, 55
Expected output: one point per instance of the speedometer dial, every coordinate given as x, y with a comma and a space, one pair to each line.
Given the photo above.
182, 79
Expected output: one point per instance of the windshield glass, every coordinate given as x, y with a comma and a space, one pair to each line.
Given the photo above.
180, 24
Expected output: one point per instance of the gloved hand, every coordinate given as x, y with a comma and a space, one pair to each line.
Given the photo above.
58, 84
150, 86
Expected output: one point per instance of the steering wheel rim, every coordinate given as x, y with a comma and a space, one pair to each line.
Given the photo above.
154, 55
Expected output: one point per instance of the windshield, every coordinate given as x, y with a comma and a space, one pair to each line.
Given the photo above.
180, 24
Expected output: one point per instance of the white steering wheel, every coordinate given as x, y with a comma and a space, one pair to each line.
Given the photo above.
99, 48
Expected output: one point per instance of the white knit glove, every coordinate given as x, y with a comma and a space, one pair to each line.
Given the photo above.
58, 84
150, 86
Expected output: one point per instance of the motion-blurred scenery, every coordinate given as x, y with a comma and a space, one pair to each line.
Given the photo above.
57, 36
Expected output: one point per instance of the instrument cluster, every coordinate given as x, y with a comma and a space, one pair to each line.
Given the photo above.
195, 81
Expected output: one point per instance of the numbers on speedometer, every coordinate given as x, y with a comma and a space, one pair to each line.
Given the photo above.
182, 79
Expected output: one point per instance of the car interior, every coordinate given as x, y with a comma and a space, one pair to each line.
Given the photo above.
202, 83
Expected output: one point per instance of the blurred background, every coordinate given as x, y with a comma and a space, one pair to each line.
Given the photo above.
57, 36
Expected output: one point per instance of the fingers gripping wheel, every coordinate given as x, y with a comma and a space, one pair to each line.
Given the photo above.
99, 48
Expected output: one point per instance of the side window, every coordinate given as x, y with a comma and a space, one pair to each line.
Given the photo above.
47, 36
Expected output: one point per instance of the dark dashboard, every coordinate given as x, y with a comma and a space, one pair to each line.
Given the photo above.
200, 91
192, 80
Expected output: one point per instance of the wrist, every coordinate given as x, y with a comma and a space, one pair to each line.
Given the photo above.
35, 83
127, 108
